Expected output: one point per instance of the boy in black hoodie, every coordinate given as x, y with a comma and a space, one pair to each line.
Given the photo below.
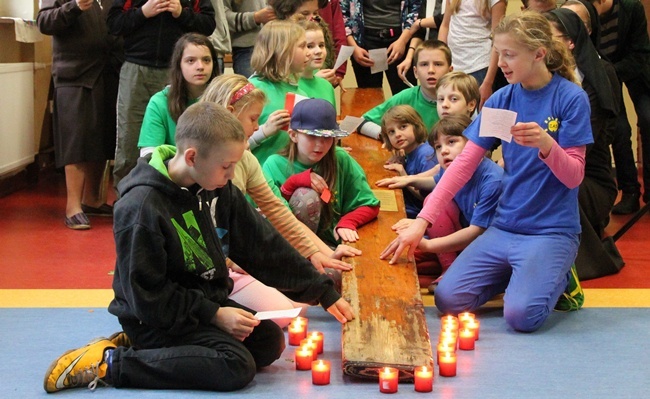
177, 220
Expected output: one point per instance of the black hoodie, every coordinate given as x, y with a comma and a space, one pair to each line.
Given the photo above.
172, 245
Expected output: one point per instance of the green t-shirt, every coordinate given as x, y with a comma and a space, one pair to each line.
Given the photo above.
412, 96
351, 192
158, 127
318, 87
275, 95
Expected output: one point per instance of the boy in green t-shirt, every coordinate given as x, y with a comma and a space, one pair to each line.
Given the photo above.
432, 60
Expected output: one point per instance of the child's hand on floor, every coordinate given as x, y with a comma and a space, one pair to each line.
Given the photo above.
236, 322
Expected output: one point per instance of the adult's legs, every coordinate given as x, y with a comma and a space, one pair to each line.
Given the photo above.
137, 85
640, 95
206, 358
626, 171
241, 60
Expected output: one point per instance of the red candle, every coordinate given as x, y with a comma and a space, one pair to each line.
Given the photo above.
464, 317
423, 379
475, 326
449, 319
388, 380
447, 336
317, 337
443, 348
447, 366
311, 345
297, 332
304, 357
301, 320
466, 340
320, 372
449, 322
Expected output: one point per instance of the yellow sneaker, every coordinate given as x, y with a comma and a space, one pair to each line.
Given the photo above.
120, 339
78, 367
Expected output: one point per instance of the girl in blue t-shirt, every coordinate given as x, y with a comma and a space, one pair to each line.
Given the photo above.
532, 242
404, 133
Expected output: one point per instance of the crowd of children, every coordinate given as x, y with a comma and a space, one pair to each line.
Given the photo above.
195, 261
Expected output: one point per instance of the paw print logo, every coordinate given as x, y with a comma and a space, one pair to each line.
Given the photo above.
552, 123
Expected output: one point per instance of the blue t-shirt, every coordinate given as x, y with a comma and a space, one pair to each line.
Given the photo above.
419, 160
478, 198
533, 200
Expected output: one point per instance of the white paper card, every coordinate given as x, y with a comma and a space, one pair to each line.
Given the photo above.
350, 123
278, 314
344, 54
497, 123
380, 56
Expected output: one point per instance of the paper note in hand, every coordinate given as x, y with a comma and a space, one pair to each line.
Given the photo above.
380, 56
278, 314
497, 123
344, 54
326, 195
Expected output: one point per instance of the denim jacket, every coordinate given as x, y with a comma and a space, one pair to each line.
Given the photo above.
353, 16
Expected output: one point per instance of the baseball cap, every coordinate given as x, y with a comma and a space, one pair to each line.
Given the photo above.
316, 117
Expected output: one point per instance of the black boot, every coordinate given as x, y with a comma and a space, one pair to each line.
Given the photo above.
628, 204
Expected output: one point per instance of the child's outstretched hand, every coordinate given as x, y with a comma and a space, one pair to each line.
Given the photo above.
341, 310
347, 235
236, 322
321, 261
276, 121
402, 225
397, 167
345, 250
393, 182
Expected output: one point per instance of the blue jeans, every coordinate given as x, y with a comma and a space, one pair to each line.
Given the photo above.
241, 60
532, 270
479, 75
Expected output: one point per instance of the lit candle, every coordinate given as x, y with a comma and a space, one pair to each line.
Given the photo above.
466, 340
304, 357
320, 372
444, 347
311, 345
475, 326
449, 321
297, 332
423, 379
317, 337
388, 380
301, 320
449, 328
449, 337
464, 317
447, 366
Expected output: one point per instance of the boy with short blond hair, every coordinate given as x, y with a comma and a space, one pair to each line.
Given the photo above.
431, 61
177, 220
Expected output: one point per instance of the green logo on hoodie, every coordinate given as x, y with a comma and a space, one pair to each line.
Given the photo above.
196, 256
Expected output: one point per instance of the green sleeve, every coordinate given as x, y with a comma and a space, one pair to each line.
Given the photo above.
158, 128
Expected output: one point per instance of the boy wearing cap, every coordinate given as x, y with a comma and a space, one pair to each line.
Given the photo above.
177, 220
326, 188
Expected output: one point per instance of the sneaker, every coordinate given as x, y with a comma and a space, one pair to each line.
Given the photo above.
628, 204
78, 221
573, 296
102, 210
120, 339
79, 367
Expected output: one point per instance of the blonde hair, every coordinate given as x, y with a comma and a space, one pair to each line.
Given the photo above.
197, 128
533, 31
464, 83
403, 114
273, 51
222, 89
432, 44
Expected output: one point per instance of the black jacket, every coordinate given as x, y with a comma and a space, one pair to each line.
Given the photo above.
150, 41
172, 245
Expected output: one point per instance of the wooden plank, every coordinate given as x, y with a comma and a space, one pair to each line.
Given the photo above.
390, 328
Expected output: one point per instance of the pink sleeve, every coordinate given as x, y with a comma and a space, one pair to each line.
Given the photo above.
568, 165
455, 177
